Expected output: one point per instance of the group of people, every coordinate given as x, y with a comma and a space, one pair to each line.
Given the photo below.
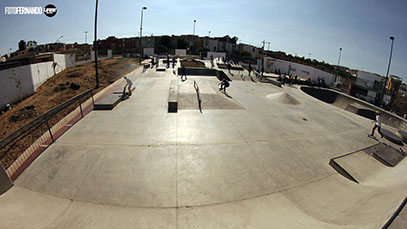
155, 61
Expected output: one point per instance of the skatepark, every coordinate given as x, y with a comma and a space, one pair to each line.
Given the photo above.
258, 156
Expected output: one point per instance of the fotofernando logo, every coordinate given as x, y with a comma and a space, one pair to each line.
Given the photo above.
50, 10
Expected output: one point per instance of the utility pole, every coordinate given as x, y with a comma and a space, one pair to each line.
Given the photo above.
194, 27
86, 45
141, 32
268, 45
95, 47
339, 61
387, 74
264, 43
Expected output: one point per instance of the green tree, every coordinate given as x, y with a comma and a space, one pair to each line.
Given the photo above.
182, 44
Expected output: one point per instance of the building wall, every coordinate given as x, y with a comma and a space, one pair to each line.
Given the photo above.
302, 71
180, 52
9, 92
216, 54
31, 77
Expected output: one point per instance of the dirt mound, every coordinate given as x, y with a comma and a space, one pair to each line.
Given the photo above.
283, 98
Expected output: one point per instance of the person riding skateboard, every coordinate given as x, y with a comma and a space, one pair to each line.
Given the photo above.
128, 85
223, 85
378, 124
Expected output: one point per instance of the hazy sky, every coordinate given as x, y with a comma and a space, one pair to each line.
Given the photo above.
317, 27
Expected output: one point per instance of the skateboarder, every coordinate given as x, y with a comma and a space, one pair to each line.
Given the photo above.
128, 84
223, 85
183, 73
378, 124
168, 60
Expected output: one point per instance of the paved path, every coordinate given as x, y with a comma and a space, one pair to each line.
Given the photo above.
260, 166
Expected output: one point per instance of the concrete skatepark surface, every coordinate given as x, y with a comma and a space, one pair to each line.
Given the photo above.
260, 160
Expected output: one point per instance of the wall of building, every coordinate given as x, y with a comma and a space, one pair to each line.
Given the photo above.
40, 72
148, 51
180, 52
9, 81
216, 54
30, 77
300, 70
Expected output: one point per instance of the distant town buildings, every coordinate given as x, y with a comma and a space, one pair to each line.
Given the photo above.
361, 84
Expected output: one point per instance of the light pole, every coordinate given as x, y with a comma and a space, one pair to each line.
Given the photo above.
388, 69
268, 45
95, 47
141, 32
59, 39
339, 61
86, 45
194, 27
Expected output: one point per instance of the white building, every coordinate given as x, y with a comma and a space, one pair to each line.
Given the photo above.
21, 82
301, 71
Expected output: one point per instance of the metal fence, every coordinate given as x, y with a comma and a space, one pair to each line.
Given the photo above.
21, 147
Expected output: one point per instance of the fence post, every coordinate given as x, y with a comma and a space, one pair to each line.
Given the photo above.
49, 129
80, 106
91, 94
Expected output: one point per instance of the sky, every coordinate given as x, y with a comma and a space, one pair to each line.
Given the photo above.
311, 28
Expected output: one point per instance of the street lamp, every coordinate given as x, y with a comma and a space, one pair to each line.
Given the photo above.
95, 47
59, 39
86, 45
388, 69
141, 31
339, 61
194, 27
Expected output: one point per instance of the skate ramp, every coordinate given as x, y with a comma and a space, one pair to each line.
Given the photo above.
354, 105
283, 98
372, 166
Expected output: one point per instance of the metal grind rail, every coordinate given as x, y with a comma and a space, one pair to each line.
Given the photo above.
41, 132
198, 94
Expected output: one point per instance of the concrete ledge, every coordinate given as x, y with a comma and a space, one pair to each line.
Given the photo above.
173, 97
389, 157
403, 136
392, 137
108, 102
233, 67
5, 182
198, 71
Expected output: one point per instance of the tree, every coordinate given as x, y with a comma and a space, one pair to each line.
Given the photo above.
165, 41
182, 44
31, 45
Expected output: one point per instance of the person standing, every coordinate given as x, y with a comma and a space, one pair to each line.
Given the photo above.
168, 60
229, 67
173, 61
183, 73
250, 68
378, 124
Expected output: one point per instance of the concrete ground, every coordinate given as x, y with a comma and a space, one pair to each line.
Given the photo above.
259, 160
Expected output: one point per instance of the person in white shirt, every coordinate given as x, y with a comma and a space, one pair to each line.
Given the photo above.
129, 84
378, 124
